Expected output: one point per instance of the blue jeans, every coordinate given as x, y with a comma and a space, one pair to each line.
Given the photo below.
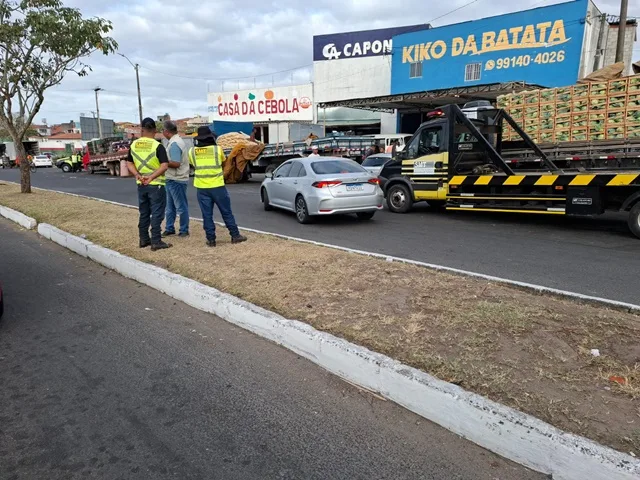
207, 198
177, 203
152, 201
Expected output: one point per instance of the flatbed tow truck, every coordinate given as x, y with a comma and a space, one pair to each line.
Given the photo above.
461, 164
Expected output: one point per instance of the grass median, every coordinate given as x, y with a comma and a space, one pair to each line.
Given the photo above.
526, 350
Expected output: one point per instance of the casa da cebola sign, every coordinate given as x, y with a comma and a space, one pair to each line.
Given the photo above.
291, 103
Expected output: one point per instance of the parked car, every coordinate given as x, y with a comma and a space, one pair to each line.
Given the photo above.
322, 186
374, 163
42, 161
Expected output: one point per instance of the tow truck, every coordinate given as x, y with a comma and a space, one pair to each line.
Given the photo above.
459, 163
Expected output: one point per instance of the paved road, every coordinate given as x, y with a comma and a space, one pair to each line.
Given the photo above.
590, 256
93, 384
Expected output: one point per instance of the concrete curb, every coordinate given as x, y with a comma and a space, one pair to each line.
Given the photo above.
514, 435
456, 271
18, 217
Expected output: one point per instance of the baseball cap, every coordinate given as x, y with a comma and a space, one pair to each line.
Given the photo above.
148, 124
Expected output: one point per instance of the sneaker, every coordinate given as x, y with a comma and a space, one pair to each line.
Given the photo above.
160, 246
239, 239
211, 243
145, 244
167, 234
183, 235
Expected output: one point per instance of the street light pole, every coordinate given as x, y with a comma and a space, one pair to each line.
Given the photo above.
622, 30
136, 67
97, 89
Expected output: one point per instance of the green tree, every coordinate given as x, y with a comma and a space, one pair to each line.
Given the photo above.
40, 42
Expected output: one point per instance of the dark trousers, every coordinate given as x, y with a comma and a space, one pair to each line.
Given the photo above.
207, 198
152, 201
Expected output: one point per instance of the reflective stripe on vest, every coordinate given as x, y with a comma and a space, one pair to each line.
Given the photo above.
207, 163
143, 152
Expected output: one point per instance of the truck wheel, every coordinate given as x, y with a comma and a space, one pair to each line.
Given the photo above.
112, 170
634, 220
66, 168
117, 169
399, 199
269, 169
90, 168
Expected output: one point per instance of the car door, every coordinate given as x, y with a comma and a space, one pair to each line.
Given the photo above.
426, 164
290, 184
277, 190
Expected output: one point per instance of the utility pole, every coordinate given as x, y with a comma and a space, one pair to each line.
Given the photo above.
136, 67
97, 89
622, 30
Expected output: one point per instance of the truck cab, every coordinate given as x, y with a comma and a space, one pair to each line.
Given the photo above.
456, 162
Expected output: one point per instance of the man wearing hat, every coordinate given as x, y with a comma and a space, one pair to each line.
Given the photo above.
207, 159
314, 151
147, 162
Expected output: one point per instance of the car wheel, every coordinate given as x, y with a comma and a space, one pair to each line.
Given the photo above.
365, 215
634, 220
265, 200
66, 168
399, 198
302, 212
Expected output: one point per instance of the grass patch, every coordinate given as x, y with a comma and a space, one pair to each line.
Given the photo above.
526, 350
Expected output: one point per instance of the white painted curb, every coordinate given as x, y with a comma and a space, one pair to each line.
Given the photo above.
18, 217
514, 435
529, 286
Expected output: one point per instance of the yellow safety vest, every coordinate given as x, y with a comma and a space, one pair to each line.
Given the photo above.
143, 152
207, 162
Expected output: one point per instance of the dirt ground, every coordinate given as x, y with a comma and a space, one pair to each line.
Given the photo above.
526, 350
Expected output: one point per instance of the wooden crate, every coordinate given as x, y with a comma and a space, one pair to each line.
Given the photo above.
598, 89
632, 116
548, 95
633, 101
597, 104
597, 117
532, 111
579, 120
618, 86
548, 123
563, 122
634, 84
632, 131
503, 101
563, 94
616, 133
616, 118
547, 110
579, 134
532, 97
580, 106
580, 91
597, 133
517, 99
563, 135
547, 136
563, 108
617, 102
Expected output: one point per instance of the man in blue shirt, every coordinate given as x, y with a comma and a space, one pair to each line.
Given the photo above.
177, 176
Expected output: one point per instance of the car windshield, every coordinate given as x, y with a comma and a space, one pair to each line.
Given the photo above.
374, 161
332, 167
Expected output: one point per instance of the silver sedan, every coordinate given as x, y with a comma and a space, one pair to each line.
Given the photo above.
322, 186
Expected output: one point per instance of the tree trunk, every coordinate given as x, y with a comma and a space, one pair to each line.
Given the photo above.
25, 173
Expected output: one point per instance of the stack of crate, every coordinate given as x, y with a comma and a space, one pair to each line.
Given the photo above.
594, 111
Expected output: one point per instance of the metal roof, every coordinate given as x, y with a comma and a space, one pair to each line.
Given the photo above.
433, 98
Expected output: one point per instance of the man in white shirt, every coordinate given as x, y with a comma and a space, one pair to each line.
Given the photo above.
314, 151
177, 177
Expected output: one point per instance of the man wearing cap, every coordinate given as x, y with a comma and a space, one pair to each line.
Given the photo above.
207, 159
147, 162
314, 151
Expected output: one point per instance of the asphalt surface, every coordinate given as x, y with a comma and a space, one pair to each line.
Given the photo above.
596, 256
103, 378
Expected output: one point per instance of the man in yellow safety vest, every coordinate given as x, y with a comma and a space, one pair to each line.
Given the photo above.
147, 162
207, 159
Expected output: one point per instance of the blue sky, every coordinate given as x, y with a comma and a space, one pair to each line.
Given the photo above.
208, 41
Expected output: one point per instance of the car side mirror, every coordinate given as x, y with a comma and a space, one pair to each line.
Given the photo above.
269, 175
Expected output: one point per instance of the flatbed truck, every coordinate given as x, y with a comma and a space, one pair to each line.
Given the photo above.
462, 164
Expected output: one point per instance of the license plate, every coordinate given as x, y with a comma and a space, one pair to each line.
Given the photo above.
354, 188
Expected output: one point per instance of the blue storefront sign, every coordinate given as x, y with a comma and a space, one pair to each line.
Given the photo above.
542, 46
367, 43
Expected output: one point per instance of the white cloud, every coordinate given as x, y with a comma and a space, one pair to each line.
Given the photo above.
240, 42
